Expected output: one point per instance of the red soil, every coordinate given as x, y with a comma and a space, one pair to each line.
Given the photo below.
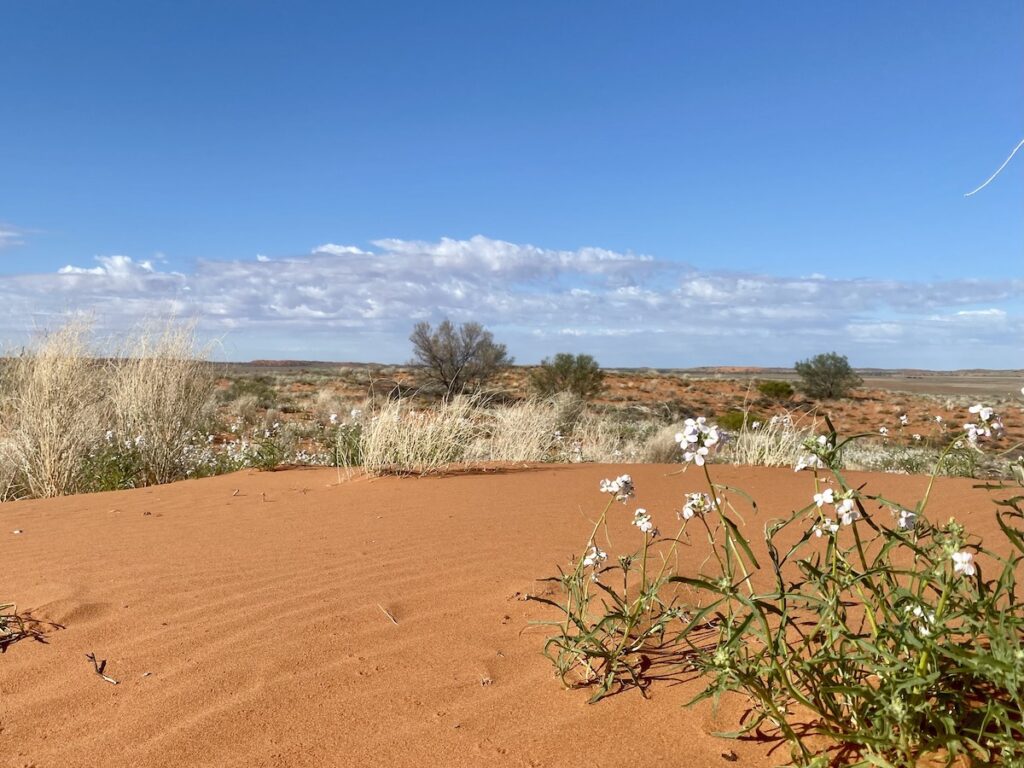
249, 629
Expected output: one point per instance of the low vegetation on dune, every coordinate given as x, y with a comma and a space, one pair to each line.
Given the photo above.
860, 630
78, 417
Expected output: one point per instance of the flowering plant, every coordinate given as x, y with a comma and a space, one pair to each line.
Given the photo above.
865, 623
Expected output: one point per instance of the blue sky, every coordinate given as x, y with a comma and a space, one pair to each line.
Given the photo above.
657, 184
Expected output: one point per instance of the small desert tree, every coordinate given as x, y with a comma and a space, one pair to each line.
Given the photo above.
578, 374
458, 358
827, 376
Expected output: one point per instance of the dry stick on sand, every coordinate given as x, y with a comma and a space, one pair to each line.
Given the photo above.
388, 613
99, 666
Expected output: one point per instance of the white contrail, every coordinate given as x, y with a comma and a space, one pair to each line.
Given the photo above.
998, 170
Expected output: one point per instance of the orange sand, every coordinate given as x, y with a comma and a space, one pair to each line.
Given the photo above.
247, 629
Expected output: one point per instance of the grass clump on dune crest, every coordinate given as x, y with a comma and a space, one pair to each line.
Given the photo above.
160, 397
54, 408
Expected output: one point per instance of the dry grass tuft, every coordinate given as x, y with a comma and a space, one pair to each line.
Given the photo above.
399, 439
520, 432
160, 394
54, 408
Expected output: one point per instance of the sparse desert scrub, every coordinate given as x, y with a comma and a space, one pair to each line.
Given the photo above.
55, 408
895, 637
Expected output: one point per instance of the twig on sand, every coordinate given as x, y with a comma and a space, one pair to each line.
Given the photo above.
99, 666
388, 613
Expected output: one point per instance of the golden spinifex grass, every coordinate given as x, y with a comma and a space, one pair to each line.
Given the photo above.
879, 632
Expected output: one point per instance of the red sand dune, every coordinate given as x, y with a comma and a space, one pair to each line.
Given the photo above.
246, 629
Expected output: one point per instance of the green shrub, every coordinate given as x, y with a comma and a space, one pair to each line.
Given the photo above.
775, 390
734, 421
259, 390
827, 376
579, 375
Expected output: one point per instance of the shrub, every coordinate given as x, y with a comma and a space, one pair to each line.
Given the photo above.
827, 376
578, 374
259, 390
734, 421
458, 358
775, 390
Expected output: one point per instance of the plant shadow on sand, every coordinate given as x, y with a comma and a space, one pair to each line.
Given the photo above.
16, 626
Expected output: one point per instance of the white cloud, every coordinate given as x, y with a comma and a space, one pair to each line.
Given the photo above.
337, 250
10, 236
351, 303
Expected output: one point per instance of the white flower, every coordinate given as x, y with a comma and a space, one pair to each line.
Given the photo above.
696, 440
334, 418
925, 618
355, 413
847, 511
938, 419
826, 526
983, 411
621, 487
643, 521
963, 563
916, 437
809, 461
755, 425
594, 557
906, 520
883, 431
696, 504
823, 498
904, 420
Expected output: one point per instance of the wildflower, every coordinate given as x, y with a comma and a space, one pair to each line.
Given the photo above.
334, 419
963, 563
904, 420
594, 557
984, 412
906, 520
827, 526
925, 618
755, 425
809, 461
355, 413
916, 437
823, 498
696, 504
883, 431
847, 511
110, 436
697, 439
642, 520
938, 419
621, 487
